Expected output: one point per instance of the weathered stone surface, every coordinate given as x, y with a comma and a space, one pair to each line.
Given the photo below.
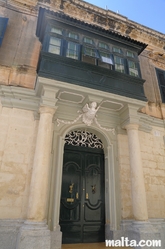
19, 58
16, 155
153, 157
33, 235
56, 239
8, 233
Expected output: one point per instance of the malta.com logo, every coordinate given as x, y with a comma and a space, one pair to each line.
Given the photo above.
125, 242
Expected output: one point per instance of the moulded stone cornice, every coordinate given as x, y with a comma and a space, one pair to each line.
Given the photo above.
81, 89
19, 97
23, 98
119, 23
145, 127
46, 94
146, 120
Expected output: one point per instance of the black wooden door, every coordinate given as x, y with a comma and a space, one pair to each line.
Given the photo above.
82, 212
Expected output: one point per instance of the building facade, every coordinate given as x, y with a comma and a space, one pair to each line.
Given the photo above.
82, 93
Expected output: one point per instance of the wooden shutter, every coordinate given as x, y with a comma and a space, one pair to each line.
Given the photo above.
3, 26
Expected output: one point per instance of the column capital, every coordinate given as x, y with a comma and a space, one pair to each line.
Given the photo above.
129, 115
46, 109
132, 126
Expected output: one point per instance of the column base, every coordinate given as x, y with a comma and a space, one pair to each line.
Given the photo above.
34, 235
144, 231
9, 230
56, 238
154, 229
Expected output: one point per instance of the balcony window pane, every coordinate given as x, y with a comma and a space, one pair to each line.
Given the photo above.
105, 57
54, 45
90, 52
73, 35
72, 50
88, 40
119, 64
103, 45
117, 50
56, 31
133, 69
130, 54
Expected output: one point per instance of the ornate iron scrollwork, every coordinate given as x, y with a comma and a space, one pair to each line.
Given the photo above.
84, 139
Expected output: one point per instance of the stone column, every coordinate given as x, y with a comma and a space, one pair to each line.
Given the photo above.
35, 233
40, 173
138, 188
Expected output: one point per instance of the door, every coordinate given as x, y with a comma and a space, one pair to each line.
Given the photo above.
82, 211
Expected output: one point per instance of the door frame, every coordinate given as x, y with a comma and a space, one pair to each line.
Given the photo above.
112, 190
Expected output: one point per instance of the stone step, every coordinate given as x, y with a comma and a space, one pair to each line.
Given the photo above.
89, 246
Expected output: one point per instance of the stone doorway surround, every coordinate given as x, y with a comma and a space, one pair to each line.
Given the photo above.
110, 172
55, 99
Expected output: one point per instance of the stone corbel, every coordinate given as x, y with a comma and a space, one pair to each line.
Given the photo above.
129, 114
48, 97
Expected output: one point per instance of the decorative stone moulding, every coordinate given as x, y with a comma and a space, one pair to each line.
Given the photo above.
88, 115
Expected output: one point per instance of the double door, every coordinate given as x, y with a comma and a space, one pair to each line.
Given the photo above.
82, 211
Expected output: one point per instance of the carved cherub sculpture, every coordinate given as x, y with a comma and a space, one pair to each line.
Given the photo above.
89, 113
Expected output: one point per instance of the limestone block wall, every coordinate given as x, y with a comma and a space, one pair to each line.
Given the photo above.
20, 49
17, 143
153, 157
125, 177
150, 91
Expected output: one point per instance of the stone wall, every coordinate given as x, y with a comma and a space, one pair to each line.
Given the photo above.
20, 49
125, 177
153, 158
17, 142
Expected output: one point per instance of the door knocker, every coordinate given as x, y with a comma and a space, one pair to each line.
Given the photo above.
71, 188
93, 189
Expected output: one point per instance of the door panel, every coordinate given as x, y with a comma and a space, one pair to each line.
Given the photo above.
82, 212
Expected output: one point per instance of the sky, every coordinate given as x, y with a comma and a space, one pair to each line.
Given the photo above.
150, 13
